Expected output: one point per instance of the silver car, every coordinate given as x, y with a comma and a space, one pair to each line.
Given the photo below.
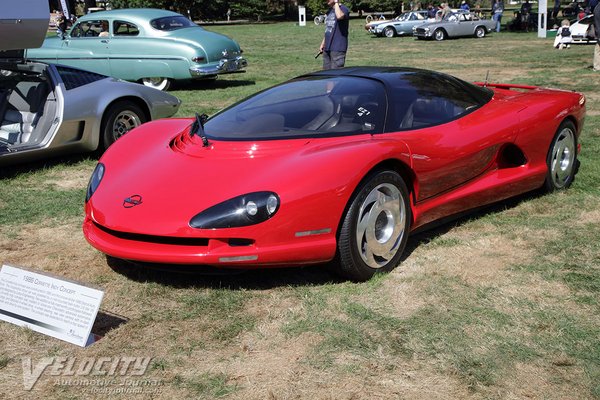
401, 25
48, 110
455, 24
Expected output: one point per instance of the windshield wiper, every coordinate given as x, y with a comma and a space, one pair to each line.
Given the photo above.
198, 128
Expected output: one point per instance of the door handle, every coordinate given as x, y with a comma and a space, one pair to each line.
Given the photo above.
104, 41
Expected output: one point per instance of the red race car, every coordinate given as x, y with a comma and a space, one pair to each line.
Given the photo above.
335, 165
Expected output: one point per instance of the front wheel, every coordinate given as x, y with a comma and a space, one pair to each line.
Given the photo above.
157, 83
119, 119
375, 228
389, 32
439, 35
562, 158
480, 32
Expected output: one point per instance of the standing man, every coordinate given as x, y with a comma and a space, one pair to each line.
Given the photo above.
497, 10
597, 29
335, 42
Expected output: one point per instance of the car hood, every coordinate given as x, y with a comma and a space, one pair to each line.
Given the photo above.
177, 177
23, 24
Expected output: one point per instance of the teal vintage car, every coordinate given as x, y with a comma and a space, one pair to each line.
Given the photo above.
150, 46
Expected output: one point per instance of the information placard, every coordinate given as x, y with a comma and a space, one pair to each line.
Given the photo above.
47, 304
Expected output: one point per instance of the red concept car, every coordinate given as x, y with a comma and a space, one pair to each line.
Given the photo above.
335, 165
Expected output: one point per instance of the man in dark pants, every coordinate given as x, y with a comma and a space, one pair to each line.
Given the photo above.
335, 42
596, 10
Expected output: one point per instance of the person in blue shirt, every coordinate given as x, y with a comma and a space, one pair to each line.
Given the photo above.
596, 11
335, 42
465, 6
497, 10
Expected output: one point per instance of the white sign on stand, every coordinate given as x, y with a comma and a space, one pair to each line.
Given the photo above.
47, 304
301, 15
542, 18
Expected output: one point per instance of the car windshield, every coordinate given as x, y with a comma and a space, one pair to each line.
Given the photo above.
307, 107
171, 23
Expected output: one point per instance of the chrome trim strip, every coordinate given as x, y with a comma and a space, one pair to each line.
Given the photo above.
240, 258
314, 232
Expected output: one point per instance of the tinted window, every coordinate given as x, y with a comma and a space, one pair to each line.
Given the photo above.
122, 28
305, 108
171, 23
74, 78
422, 99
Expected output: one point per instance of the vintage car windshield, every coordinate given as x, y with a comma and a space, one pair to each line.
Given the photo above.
171, 23
307, 107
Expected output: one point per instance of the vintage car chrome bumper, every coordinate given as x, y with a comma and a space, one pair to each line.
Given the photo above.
224, 66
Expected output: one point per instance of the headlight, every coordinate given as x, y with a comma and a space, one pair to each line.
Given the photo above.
245, 210
95, 180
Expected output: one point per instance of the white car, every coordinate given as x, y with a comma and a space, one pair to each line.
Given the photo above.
399, 26
580, 28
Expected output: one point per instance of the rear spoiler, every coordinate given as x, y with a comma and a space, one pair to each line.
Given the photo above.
506, 86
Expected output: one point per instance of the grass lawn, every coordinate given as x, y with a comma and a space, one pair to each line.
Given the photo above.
500, 304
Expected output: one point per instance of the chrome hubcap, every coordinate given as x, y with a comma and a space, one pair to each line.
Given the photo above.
124, 122
563, 158
380, 225
157, 83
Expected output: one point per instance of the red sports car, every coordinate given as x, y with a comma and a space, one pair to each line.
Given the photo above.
335, 165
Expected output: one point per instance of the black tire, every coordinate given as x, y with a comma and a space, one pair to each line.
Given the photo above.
375, 227
562, 160
439, 35
389, 32
480, 32
120, 118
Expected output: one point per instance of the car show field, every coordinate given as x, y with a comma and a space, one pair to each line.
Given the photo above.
502, 302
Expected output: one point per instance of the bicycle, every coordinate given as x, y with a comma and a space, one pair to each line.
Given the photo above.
320, 19
370, 18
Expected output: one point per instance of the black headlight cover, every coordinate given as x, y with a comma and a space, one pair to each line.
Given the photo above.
95, 180
233, 213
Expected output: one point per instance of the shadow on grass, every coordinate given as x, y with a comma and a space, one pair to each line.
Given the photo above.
106, 322
209, 84
13, 171
437, 228
267, 278
201, 276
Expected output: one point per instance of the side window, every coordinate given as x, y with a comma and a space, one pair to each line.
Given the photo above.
442, 101
123, 28
90, 29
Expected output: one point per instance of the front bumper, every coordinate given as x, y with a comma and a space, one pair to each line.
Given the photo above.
223, 66
422, 33
224, 251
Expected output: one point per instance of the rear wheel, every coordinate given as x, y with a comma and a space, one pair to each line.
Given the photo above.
157, 83
439, 35
562, 158
375, 228
389, 32
480, 32
119, 119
